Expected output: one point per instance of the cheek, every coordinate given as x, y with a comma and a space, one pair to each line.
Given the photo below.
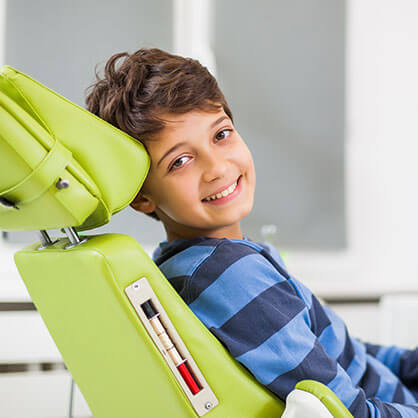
244, 157
178, 194
187, 194
251, 164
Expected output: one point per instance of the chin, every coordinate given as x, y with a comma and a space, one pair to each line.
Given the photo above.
242, 213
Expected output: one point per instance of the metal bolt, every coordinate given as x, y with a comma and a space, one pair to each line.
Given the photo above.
208, 405
62, 184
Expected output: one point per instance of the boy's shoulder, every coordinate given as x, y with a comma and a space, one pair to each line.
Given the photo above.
203, 260
209, 259
184, 256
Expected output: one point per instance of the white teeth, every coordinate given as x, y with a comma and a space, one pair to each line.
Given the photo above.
226, 192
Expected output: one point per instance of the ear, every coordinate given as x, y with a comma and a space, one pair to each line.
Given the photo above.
143, 203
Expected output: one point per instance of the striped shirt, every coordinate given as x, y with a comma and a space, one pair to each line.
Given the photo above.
273, 325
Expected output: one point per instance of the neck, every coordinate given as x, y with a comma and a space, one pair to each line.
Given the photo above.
230, 232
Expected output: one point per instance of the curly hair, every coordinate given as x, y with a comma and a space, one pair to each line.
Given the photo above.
134, 93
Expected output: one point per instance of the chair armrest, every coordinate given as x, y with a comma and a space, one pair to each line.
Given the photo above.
314, 399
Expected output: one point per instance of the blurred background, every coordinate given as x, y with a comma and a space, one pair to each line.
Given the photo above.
324, 92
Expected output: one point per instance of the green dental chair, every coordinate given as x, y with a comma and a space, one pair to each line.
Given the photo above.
114, 317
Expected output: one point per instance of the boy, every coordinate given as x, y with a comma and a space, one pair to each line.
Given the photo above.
200, 185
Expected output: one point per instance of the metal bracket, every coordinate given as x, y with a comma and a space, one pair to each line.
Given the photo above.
73, 237
45, 240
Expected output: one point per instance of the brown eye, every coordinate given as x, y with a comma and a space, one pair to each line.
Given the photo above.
178, 163
223, 134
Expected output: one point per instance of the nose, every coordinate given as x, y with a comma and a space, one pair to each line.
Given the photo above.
215, 166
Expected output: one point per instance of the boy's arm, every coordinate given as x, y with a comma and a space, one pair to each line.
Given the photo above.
260, 318
402, 362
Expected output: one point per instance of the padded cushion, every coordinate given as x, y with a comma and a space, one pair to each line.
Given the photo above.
44, 138
326, 396
80, 294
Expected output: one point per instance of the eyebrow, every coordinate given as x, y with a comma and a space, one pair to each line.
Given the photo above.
179, 144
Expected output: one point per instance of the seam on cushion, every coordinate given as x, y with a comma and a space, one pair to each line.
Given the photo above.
133, 317
48, 129
30, 104
66, 100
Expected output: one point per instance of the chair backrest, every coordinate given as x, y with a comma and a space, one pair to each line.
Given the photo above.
62, 167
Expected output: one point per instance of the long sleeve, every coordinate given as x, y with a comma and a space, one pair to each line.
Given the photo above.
402, 362
281, 334
408, 370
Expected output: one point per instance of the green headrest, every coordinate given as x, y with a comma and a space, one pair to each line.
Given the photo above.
48, 143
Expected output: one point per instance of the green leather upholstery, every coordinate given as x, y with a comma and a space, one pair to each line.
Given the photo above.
79, 292
80, 295
326, 396
44, 137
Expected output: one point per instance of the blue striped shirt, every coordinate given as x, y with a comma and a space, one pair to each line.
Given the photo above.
273, 325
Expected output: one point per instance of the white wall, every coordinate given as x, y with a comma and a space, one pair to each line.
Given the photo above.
382, 145
382, 135
2, 30
2, 45
192, 30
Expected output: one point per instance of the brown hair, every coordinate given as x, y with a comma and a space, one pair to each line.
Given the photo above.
148, 83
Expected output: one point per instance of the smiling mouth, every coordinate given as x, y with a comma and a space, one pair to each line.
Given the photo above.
224, 193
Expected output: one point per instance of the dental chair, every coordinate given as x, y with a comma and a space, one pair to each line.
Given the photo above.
132, 345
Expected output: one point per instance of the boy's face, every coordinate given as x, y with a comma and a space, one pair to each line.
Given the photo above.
198, 155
